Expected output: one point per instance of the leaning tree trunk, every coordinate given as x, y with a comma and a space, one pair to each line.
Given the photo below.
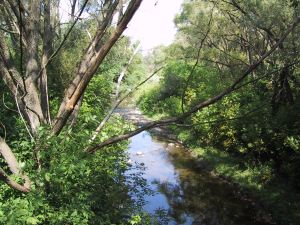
93, 57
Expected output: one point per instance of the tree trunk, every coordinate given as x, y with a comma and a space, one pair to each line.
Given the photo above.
31, 99
47, 46
25, 91
89, 67
73, 7
75, 113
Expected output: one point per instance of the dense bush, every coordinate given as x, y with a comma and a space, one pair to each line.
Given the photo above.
69, 185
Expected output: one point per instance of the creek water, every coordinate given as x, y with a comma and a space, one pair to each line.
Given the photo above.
186, 193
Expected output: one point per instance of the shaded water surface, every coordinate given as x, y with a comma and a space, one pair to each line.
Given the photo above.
187, 194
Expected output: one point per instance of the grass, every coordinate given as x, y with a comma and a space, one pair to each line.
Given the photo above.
275, 194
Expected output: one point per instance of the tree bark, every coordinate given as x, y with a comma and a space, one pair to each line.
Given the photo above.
47, 46
73, 7
14, 167
31, 94
75, 113
25, 91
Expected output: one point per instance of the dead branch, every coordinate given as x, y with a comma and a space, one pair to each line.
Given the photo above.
124, 70
116, 105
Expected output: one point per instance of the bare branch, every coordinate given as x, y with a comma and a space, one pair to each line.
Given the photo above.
21, 43
17, 9
116, 105
47, 47
8, 31
249, 113
13, 184
124, 70
20, 113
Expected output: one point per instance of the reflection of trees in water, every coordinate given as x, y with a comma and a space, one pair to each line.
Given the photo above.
207, 200
175, 199
136, 184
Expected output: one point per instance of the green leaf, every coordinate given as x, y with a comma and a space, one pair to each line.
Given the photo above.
47, 177
32, 220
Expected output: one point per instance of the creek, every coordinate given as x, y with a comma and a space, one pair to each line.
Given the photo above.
187, 193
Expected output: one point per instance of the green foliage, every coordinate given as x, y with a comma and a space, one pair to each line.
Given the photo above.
169, 92
73, 187
292, 142
255, 126
255, 129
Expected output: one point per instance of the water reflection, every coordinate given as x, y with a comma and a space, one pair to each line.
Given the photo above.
187, 195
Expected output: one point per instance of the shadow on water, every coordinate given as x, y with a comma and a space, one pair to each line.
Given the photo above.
187, 194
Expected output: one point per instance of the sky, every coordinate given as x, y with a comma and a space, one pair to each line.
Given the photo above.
153, 23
